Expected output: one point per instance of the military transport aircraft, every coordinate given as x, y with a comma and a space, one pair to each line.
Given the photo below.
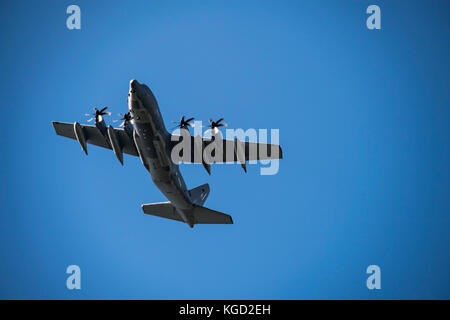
144, 135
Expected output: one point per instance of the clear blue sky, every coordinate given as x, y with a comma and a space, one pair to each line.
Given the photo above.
364, 125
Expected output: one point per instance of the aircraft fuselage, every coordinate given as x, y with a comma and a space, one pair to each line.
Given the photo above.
153, 143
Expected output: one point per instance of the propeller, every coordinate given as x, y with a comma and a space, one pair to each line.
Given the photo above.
216, 124
125, 117
183, 124
98, 114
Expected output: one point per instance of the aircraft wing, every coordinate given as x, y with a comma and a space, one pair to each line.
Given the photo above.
231, 150
93, 136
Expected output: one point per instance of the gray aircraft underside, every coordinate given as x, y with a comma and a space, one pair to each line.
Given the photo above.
146, 136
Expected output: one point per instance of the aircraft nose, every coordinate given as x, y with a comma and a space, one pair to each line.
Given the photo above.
133, 84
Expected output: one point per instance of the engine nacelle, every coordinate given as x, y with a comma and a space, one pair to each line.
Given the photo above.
239, 150
80, 136
115, 144
207, 167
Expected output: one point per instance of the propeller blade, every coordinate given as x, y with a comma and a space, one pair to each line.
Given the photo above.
216, 124
183, 123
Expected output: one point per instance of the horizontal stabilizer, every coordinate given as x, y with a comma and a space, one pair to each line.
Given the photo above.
196, 215
163, 210
204, 215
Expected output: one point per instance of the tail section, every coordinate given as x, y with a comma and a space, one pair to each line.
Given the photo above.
198, 195
204, 215
163, 210
196, 215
